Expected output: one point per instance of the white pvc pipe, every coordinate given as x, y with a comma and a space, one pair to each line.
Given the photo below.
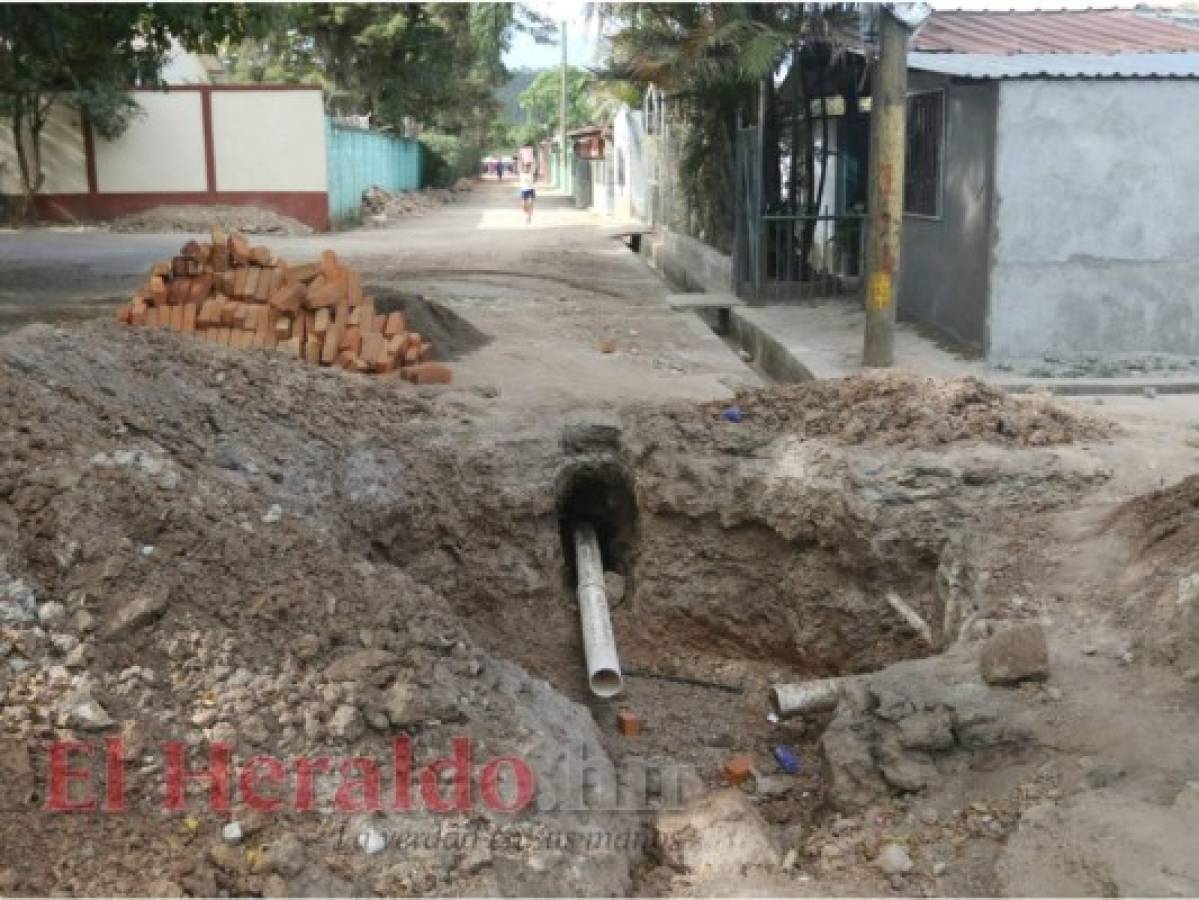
599, 645
809, 697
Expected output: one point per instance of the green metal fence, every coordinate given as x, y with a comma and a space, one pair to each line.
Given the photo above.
359, 158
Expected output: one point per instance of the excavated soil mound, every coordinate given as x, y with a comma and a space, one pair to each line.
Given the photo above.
199, 219
911, 411
450, 334
1163, 524
1157, 593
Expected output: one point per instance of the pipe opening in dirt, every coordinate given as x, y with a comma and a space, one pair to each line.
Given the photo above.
601, 495
606, 683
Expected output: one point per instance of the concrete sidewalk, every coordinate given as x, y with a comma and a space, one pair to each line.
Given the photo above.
824, 340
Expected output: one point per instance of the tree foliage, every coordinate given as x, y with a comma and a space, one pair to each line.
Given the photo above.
88, 55
712, 59
542, 99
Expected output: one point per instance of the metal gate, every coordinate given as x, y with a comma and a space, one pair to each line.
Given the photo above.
768, 247
747, 205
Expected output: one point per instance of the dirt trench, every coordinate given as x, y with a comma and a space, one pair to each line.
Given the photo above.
418, 551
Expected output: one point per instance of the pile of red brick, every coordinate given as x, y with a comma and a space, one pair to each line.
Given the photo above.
230, 293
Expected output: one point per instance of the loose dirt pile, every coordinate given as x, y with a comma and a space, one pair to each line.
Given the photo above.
911, 411
380, 206
230, 293
1157, 594
199, 219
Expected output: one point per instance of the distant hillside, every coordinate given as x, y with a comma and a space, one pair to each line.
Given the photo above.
509, 95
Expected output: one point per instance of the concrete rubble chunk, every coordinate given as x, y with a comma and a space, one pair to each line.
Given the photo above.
1018, 653
720, 834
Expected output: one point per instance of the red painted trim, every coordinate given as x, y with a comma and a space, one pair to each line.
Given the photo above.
209, 152
89, 154
310, 207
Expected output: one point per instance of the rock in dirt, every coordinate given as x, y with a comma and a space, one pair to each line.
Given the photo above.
717, 835
893, 859
84, 712
346, 723
18, 601
1019, 653
138, 612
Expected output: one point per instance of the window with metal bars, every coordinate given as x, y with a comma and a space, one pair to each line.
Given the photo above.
922, 163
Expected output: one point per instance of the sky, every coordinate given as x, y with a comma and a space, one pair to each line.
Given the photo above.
582, 39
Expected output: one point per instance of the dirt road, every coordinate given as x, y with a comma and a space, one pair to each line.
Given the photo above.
549, 293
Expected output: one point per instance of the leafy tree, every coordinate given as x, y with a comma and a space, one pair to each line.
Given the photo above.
418, 68
712, 59
88, 55
542, 99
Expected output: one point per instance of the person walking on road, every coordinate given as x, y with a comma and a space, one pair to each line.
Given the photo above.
527, 179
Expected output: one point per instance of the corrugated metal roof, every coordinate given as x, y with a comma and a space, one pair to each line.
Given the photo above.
1058, 65
1052, 31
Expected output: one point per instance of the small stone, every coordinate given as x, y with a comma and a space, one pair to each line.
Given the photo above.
64, 643
286, 855
346, 723
137, 612
51, 612
940, 868
1015, 654
232, 833
371, 842
86, 714
273, 514
893, 859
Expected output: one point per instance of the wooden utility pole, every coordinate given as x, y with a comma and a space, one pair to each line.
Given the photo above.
567, 159
888, 127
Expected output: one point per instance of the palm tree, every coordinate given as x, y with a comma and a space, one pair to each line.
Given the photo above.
713, 59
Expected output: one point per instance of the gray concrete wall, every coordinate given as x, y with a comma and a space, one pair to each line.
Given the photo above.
1096, 243
944, 261
689, 263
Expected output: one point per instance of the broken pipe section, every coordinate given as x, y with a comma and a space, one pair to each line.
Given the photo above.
599, 645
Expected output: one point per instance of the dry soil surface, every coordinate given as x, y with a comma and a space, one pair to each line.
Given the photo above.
204, 545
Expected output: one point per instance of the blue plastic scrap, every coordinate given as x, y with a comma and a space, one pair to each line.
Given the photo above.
787, 759
732, 414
